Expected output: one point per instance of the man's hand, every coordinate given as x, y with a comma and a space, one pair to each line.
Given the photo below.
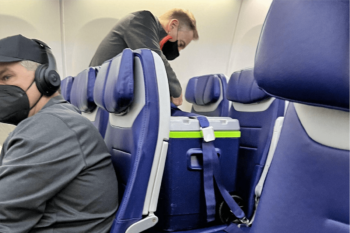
177, 101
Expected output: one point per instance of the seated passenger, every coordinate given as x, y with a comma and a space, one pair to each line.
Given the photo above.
56, 174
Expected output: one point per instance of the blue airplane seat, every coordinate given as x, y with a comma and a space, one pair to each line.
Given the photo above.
303, 57
66, 87
257, 113
207, 95
133, 88
82, 97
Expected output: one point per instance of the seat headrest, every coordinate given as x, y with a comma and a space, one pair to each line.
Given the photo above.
114, 89
303, 52
82, 95
242, 88
66, 87
203, 90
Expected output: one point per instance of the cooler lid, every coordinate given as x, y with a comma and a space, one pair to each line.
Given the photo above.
189, 124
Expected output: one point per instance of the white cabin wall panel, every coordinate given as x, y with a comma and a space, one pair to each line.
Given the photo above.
87, 22
251, 19
33, 19
5, 130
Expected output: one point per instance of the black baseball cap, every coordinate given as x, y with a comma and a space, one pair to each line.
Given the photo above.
18, 48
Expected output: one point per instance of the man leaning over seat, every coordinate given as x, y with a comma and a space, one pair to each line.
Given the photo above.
166, 35
55, 171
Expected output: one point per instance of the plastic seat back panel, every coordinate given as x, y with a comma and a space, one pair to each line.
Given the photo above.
306, 180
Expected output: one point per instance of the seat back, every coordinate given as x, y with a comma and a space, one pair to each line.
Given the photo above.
133, 88
307, 64
256, 112
207, 95
82, 97
66, 87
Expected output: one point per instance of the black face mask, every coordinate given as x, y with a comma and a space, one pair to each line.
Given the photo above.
14, 104
171, 50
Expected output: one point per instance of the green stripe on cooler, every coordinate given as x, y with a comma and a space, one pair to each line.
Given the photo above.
198, 134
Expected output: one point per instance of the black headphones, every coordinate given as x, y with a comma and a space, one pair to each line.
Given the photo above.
47, 79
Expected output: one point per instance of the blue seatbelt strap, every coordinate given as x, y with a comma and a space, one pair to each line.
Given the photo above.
208, 166
208, 179
234, 207
211, 169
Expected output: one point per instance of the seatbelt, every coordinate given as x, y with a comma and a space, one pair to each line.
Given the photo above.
259, 187
208, 166
211, 171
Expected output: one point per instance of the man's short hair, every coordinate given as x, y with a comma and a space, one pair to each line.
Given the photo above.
186, 19
30, 65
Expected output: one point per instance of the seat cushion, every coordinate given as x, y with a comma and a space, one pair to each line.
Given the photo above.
242, 88
114, 90
66, 87
82, 90
303, 52
203, 90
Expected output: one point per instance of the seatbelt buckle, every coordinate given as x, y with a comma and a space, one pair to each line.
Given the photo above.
244, 220
208, 134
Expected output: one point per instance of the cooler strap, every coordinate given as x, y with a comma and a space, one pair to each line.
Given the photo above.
211, 169
208, 179
208, 169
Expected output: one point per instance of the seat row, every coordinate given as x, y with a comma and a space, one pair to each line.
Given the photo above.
308, 175
255, 111
131, 110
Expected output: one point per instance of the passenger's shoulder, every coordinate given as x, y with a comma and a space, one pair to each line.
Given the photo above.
144, 15
144, 12
41, 122
65, 115
42, 138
